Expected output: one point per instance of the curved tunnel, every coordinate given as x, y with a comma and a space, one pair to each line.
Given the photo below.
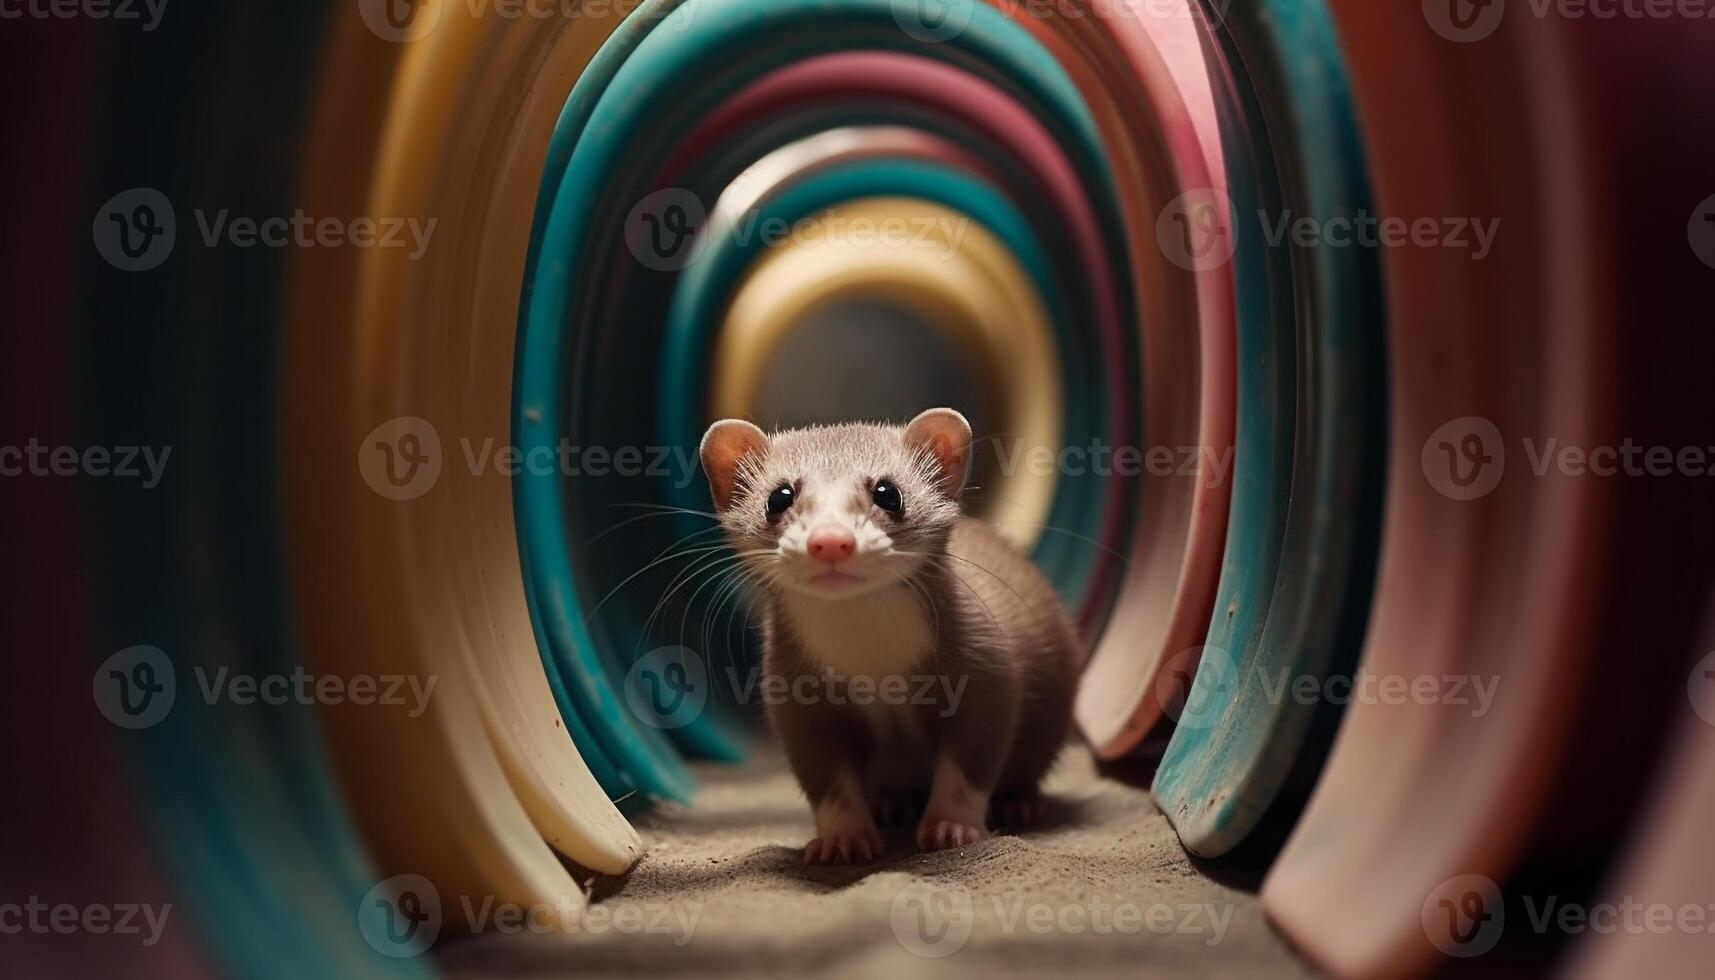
1261, 309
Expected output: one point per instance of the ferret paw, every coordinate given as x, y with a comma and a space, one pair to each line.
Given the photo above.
843, 849
1019, 811
939, 835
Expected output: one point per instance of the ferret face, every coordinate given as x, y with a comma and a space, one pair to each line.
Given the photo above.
837, 511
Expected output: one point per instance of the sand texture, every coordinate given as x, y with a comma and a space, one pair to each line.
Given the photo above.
1100, 888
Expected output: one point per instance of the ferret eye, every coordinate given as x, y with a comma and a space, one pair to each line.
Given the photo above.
780, 500
886, 496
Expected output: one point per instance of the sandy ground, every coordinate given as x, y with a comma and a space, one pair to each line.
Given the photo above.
1102, 888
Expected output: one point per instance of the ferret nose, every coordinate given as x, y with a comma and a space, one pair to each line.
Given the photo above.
831, 544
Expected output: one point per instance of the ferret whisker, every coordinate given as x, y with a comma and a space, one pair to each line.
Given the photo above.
723, 576
728, 592
987, 609
726, 630
668, 509
645, 517
698, 567
923, 596
991, 574
759, 580
689, 573
667, 554
934, 609
683, 574
691, 600
662, 558
1071, 534
766, 579
1022, 601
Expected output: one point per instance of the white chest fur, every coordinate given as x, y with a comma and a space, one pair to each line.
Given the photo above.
882, 633
884, 637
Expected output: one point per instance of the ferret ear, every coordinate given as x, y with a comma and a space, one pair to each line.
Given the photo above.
946, 437
725, 446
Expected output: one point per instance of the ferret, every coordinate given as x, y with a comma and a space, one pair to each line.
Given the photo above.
916, 655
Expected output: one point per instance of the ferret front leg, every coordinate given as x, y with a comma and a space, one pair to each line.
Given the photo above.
825, 757
973, 737
958, 809
845, 831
